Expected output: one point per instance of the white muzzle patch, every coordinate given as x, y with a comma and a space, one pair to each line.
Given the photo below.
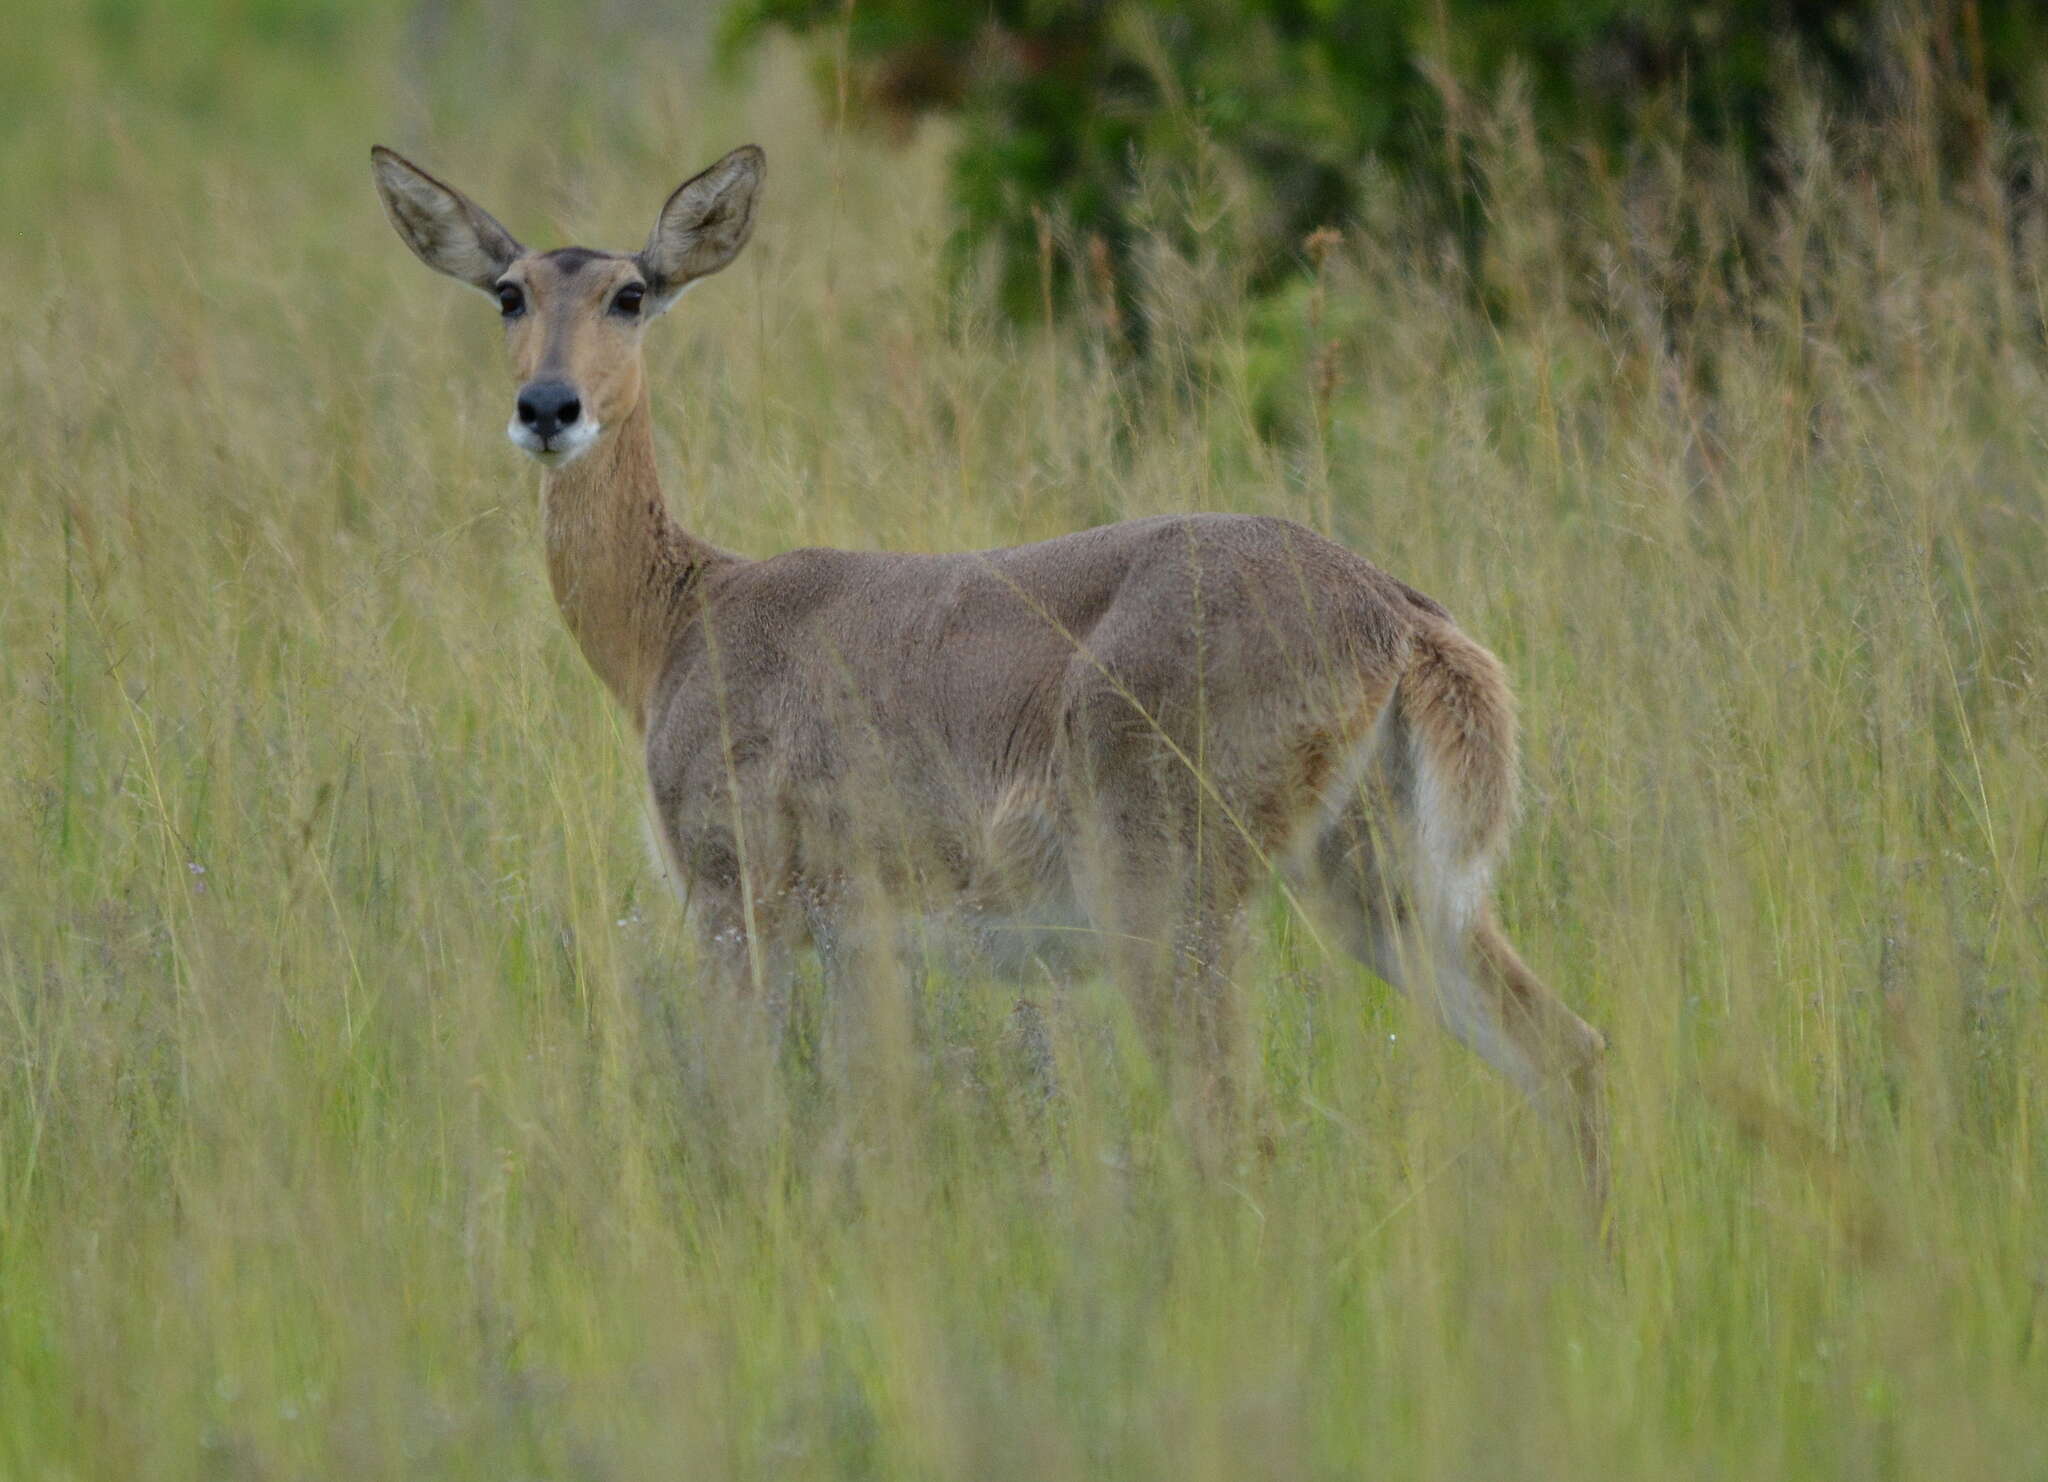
565, 447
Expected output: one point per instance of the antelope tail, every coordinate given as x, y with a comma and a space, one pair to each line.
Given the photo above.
1458, 715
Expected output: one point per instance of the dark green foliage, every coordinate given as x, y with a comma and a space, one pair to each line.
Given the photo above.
1065, 105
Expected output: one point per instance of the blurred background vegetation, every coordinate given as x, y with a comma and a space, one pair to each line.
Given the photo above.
1300, 110
362, 1111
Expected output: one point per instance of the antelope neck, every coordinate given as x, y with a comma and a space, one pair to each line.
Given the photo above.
620, 566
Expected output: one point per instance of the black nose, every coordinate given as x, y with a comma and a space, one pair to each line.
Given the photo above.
548, 406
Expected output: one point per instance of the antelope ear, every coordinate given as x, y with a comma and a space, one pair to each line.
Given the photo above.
704, 225
448, 231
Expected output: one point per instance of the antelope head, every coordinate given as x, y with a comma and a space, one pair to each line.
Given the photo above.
574, 316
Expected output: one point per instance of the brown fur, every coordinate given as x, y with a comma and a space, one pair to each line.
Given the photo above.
1137, 723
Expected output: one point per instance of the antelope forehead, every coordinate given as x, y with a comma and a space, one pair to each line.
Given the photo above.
577, 280
569, 261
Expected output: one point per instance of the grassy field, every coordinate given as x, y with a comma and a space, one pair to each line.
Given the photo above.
360, 1114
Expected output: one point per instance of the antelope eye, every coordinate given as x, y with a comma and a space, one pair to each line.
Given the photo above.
510, 300
628, 299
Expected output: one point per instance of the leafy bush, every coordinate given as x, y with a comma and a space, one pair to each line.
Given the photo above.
1065, 104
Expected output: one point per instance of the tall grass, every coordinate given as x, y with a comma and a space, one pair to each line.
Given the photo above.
360, 1109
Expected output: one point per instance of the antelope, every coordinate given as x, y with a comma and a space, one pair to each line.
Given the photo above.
1129, 727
